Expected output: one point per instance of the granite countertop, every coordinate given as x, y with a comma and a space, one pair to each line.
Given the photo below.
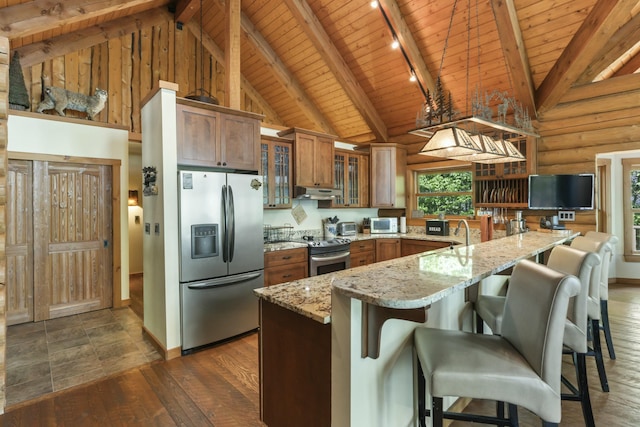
425, 278
281, 246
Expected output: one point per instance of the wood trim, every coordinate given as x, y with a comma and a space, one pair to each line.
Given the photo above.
116, 228
185, 9
232, 18
167, 354
629, 255
162, 84
45, 116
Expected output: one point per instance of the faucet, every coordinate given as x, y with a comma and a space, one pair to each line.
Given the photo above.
466, 226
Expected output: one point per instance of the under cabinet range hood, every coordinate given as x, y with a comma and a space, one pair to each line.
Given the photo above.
314, 193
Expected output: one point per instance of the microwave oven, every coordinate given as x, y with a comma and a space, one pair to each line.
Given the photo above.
384, 225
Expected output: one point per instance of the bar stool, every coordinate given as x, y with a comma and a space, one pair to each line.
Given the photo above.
583, 265
521, 367
604, 286
593, 303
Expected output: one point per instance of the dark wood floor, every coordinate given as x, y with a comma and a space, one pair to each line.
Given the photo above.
219, 387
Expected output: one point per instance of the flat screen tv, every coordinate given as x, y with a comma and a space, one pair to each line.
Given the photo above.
551, 192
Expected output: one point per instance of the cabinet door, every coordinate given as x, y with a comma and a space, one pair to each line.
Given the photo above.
305, 160
387, 249
324, 162
383, 172
198, 136
276, 172
411, 246
240, 147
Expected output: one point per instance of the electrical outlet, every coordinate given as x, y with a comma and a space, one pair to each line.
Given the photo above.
567, 215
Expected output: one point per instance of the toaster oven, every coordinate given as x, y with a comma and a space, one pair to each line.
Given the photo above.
347, 228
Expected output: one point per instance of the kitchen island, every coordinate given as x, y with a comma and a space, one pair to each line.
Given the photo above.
341, 344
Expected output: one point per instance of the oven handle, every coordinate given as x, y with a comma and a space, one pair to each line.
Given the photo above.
338, 257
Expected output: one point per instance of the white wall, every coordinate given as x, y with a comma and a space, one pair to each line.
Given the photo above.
160, 283
43, 135
135, 228
619, 267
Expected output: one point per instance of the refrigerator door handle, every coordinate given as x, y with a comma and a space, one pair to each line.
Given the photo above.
226, 281
232, 233
225, 254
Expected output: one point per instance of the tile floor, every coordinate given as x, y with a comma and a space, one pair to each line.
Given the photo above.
56, 354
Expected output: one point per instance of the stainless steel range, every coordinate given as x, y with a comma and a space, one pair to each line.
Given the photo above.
326, 256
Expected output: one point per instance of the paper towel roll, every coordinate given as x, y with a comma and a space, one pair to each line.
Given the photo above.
403, 224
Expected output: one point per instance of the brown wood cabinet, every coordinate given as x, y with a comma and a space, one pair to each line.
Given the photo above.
387, 249
388, 166
276, 169
351, 170
363, 252
214, 136
416, 246
313, 157
285, 266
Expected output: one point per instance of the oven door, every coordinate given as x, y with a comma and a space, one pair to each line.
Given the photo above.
329, 262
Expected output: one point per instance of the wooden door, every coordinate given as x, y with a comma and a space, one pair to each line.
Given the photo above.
72, 239
19, 243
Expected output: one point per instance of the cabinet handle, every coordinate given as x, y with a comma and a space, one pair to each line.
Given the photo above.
219, 163
286, 257
286, 276
224, 163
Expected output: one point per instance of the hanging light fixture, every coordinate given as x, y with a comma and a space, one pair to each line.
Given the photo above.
436, 118
202, 94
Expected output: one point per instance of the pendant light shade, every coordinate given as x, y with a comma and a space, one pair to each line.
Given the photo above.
451, 142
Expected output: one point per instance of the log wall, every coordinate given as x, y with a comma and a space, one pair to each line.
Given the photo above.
129, 66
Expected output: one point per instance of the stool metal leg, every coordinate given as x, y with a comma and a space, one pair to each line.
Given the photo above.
597, 352
479, 324
604, 311
437, 413
422, 410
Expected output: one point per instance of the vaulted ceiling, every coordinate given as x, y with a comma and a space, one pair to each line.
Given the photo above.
328, 65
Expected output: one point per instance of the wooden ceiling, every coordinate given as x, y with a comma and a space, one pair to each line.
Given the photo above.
327, 65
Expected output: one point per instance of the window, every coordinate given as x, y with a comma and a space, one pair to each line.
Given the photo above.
631, 184
448, 192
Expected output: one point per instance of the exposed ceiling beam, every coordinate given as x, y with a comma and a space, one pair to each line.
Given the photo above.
37, 16
289, 82
515, 53
232, 34
185, 9
623, 40
408, 43
630, 67
211, 46
39, 52
319, 37
590, 38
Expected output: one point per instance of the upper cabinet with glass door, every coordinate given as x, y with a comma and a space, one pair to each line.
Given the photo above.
276, 159
351, 176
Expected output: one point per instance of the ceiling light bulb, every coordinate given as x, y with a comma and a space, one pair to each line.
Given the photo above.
395, 44
413, 77
374, 4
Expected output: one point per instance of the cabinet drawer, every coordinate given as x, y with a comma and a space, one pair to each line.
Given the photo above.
362, 258
362, 246
285, 257
285, 273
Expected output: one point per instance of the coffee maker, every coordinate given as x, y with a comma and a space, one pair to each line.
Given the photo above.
517, 225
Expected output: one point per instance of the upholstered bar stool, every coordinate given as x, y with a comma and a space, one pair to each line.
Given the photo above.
522, 367
593, 302
604, 286
584, 266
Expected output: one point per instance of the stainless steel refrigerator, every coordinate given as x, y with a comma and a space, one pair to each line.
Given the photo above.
221, 255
